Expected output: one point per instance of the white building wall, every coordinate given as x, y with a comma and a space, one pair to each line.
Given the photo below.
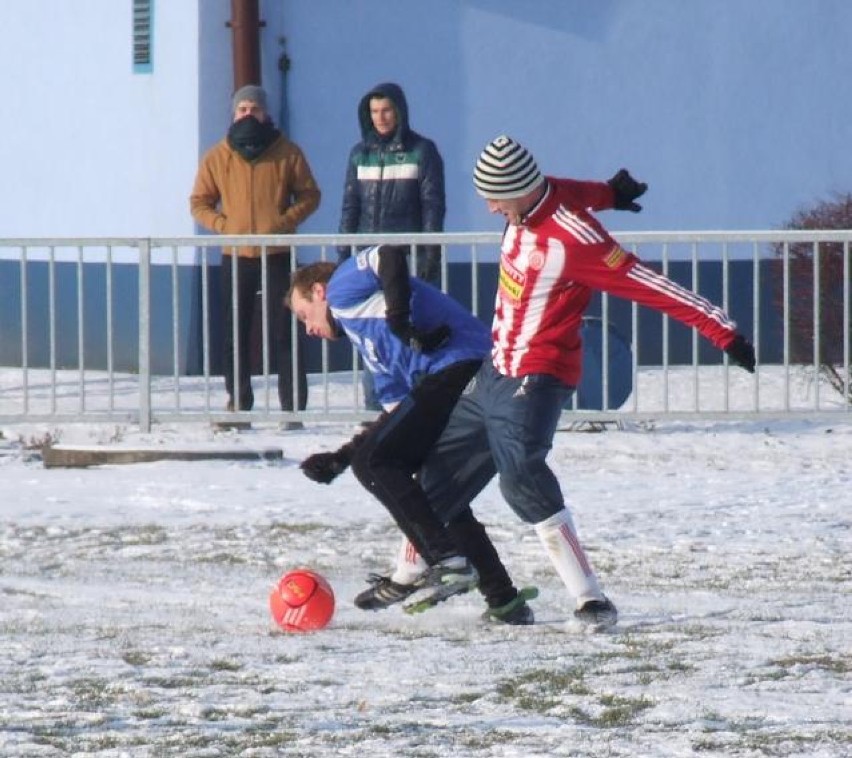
90, 148
734, 111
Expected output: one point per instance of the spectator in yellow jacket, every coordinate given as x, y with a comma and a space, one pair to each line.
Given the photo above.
255, 181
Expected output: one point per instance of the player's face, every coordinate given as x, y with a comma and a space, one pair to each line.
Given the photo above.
383, 115
249, 108
512, 210
314, 312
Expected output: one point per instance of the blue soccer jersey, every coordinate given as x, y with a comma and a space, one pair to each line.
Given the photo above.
358, 305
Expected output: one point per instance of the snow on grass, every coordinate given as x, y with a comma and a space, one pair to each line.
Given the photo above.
133, 616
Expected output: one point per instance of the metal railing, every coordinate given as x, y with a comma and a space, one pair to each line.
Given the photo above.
135, 304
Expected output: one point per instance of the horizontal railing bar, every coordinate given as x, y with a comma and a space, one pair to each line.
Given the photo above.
448, 238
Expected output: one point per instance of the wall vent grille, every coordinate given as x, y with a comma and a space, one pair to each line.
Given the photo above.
142, 34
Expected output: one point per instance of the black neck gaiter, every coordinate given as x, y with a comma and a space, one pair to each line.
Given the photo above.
250, 137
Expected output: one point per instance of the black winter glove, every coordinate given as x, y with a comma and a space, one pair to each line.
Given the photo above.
325, 467
427, 342
741, 352
626, 190
420, 341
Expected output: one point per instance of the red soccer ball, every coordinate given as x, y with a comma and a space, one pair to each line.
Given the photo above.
302, 601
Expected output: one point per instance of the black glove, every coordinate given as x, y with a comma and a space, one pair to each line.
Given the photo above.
325, 467
427, 342
741, 352
626, 189
420, 341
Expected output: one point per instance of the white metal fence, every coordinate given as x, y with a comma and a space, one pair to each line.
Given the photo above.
66, 299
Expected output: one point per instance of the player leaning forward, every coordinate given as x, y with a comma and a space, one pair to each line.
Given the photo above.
554, 255
422, 348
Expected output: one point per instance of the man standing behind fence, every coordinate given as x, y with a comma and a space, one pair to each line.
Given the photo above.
255, 181
394, 183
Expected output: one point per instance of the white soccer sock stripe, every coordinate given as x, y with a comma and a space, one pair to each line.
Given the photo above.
560, 541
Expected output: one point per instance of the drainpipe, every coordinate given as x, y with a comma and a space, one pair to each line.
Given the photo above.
245, 26
284, 68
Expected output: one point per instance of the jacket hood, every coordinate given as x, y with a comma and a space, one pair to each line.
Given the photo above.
392, 92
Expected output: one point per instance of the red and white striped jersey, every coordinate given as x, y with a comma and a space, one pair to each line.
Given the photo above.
550, 265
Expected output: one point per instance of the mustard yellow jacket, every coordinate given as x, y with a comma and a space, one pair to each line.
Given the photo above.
271, 195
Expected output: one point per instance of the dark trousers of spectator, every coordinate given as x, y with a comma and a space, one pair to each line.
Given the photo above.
278, 329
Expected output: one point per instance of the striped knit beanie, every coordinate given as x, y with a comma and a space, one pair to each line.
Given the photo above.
505, 170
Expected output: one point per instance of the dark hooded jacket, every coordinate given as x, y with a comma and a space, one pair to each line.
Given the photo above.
393, 184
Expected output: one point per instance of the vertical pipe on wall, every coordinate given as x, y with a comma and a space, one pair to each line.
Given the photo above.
284, 68
245, 26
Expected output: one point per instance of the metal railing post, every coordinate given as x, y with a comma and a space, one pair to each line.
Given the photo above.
144, 335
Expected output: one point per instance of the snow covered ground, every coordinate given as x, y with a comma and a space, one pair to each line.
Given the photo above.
134, 619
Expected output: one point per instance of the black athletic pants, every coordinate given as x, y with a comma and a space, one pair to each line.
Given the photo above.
392, 453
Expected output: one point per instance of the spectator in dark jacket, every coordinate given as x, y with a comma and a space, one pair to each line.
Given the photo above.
394, 178
394, 184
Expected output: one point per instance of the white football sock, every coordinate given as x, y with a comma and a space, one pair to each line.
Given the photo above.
409, 564
559, 538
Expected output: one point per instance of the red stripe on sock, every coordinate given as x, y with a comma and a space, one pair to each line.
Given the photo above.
571, 539
411, 554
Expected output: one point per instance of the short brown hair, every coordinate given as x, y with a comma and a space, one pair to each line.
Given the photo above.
305, 277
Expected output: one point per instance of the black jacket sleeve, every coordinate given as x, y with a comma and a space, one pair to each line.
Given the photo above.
396, 284
351, 211
432, 198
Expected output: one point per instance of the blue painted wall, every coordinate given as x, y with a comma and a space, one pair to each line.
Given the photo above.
735, 112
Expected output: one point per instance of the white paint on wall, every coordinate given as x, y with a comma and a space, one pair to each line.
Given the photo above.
89, 147
734, 111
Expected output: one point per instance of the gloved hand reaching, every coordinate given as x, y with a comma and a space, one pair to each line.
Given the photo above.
741, 352
427, 342
421, 341
626, 189
325, 467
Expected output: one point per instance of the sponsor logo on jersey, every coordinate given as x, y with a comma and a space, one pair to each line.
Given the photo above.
615, 257
511, 282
